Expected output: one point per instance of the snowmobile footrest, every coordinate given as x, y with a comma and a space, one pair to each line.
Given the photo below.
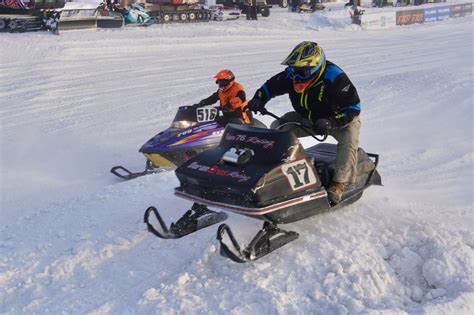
268, 239
193, 220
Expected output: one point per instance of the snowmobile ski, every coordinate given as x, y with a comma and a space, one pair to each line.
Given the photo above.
267, 240
195, 219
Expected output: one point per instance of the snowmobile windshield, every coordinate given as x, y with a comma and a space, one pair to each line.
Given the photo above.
185, 117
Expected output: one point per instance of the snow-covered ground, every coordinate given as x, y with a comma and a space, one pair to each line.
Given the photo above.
72, 239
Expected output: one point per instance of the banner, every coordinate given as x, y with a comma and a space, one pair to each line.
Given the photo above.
378, 20
443, 13
431, 15
460, 10
387, 19
437, 14
410, 17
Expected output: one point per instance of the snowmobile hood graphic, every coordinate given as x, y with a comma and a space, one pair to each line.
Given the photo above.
204, 134
167, 144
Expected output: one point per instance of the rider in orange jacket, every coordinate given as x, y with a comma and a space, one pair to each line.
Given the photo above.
231, 96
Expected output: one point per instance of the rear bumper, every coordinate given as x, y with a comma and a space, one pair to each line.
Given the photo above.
254, 211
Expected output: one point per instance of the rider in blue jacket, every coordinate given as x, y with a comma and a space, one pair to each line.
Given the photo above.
323, 99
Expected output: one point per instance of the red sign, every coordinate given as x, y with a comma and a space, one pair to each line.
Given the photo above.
410, 17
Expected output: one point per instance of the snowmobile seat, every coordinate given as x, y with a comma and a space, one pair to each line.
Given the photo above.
258, 124
324, 158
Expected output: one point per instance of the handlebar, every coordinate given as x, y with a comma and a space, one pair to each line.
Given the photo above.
285, 122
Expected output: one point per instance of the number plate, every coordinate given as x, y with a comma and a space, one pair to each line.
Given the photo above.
299, 174
206, 114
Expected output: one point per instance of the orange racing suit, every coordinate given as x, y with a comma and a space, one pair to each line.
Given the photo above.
232, 101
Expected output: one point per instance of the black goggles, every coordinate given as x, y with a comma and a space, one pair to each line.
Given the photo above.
222, 83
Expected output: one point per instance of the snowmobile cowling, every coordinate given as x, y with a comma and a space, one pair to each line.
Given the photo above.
266, 174
191, 132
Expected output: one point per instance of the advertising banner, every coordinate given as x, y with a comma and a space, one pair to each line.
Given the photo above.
388, 19
410, 17
431, 15
443, 13
460, 10
378, 20
437, 14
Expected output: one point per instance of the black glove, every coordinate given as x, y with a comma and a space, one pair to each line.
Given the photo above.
322, 126
256, 105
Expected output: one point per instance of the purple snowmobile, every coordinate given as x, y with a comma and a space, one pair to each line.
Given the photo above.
191, 132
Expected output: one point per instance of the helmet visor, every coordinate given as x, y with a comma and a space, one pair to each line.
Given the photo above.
302, 73
222, 83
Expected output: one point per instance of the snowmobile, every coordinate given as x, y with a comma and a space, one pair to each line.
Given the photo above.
192, 131
135, 13
264, 174
220, 12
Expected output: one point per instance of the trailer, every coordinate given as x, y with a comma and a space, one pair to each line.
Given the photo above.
177, 11
29, 15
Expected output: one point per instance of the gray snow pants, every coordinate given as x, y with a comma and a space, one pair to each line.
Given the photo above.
347, 143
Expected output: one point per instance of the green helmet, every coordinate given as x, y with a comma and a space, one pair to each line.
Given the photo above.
306, 54
306, 64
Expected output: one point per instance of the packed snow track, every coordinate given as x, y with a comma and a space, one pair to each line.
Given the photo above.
72, 238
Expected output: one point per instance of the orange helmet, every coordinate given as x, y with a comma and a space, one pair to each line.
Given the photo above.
225, 75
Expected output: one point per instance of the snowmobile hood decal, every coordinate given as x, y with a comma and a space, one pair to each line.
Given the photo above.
216, 170
200, 135
265, 143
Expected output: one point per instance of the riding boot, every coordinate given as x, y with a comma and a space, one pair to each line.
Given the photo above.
335, 192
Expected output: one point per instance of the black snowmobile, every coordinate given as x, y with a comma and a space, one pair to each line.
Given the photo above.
265, 174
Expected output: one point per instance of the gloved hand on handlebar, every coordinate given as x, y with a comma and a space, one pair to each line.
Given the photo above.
256, 105
322, 126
